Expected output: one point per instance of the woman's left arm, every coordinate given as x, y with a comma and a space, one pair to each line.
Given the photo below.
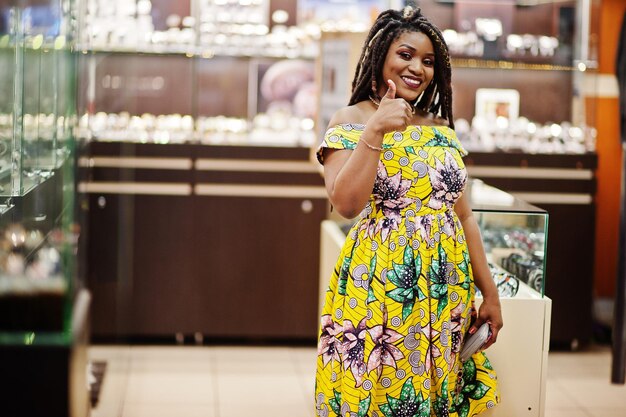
490, 310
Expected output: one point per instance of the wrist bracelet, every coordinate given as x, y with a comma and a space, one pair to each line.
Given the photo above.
372, 147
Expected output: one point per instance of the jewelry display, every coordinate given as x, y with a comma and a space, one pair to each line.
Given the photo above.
30, 264
340, 16
242, 28
40, 151
529, 269
515, 46
523, 135
222, 27
506, 283
488, 29
276, 128
517, 251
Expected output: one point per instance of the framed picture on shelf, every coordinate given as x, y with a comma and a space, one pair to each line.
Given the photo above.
492, 103
282, 85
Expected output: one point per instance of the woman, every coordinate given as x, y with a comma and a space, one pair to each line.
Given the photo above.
401, 298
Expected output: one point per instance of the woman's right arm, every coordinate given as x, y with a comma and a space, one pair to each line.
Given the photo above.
349, 174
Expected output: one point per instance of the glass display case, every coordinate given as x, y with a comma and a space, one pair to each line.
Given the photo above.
43, 307
37, 118
514, 236
37, 90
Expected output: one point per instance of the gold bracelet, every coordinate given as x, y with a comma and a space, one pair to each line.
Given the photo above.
372, 147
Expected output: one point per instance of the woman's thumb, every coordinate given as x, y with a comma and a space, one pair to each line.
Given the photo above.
391, 91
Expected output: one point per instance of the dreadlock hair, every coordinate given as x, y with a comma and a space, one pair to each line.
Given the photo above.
390, 24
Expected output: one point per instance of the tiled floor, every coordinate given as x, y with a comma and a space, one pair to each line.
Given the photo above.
230, 381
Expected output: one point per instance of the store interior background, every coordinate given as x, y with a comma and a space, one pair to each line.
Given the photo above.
190, 150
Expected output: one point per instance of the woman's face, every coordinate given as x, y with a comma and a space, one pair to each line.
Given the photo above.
410, 64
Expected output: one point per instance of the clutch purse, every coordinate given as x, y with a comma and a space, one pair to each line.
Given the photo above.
475, 342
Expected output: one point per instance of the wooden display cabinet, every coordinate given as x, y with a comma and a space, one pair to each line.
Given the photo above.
215, 241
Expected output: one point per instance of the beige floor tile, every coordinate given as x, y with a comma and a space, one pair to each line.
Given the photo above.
305, 360
566, 412
110, 352
255, 354
173, 367
237, 361
305, 353
173, 353
307, 383
179, 410
170, 388
115, 382
579, 364
595, 392
277, 409
557, 397
607, 412
172, 359
250, 367
229, 381
259, 389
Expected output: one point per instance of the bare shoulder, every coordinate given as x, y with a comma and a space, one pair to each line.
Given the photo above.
429, 119
438, 121
357, 113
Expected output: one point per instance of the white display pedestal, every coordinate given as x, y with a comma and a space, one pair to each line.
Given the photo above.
520, 357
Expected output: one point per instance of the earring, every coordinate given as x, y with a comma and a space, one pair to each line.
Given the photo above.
421, 96
375, 90
433, 96
417, 100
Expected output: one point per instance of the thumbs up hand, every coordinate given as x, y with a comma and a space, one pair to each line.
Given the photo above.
391, 91
393, 114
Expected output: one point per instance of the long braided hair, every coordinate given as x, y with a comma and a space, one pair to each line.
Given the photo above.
390, 24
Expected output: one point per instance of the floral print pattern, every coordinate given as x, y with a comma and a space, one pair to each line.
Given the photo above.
384, 351
390, 198
329, 345
353, 349
448, 182
400, 299
404, 277
409, 404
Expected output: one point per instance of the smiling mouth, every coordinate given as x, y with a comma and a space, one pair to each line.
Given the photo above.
412, 82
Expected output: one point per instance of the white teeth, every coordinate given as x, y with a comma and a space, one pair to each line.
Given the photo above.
412, 82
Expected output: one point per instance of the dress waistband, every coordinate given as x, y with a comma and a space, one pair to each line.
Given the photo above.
407, 213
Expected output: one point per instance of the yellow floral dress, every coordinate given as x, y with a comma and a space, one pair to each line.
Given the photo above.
401, 297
